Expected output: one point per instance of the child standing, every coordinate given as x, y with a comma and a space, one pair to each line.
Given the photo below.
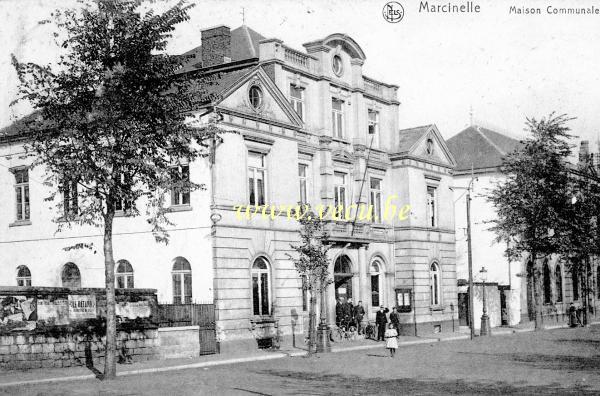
391, 339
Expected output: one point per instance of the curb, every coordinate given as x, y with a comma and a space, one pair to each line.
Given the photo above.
277, 355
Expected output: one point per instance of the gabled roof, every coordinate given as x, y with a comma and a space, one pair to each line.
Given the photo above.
408, 137
244, 45
478, 148
18, 127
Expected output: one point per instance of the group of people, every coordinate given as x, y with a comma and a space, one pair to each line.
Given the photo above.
347, 314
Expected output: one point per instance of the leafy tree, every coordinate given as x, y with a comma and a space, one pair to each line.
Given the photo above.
313, 263
531, 200
110, 121
581, 232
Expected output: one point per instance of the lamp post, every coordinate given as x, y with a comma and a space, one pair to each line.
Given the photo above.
485, 319
323, 330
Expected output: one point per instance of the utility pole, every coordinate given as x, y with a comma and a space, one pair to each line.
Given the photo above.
470, 258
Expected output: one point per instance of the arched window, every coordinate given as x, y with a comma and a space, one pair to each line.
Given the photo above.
23, 276
575, 283
435, 284
261, 295
124, 276
182, 281
376, 288
558, 283
547, 284
70, 276
342, 277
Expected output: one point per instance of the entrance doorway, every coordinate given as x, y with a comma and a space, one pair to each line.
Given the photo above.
342, 278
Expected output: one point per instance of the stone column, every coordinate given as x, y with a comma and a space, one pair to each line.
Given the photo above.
363, 283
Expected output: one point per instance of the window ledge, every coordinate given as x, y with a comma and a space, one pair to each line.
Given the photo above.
122, 213
262, 319
436, 308
19, 223
180, 208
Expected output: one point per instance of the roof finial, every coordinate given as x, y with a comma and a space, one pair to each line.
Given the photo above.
243, 16
471, 116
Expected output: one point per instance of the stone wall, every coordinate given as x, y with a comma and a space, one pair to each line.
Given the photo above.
28, 351
178, 342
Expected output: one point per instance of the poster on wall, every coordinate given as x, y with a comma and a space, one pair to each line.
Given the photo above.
18, 312
82, 306
53, 311
133, 310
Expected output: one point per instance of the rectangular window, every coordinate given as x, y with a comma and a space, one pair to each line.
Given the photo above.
69, 192
305, 301
297, 99
375, 199
337, 118
375, 290
122, 204
180, 194
339, 196
22, 194
303, 178
257, 175
431, 207
373, 131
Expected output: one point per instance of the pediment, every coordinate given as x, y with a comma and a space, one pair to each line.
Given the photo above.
273, 104
431, 147
342, 156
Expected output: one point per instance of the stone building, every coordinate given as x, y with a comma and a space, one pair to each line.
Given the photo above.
307, 126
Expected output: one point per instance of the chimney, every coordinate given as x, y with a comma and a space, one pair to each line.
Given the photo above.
216, 45
584, 152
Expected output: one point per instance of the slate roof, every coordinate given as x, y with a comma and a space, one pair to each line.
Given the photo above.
408, 137
18, 127
480, 148
244, 45
216, 83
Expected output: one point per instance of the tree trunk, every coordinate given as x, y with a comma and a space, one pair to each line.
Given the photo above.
110, 363
537, 295
312, 315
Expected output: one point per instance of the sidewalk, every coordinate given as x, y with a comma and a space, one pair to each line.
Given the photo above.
37, 376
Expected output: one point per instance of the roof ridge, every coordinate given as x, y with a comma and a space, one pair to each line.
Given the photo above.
417, 127
247, 35
487, 139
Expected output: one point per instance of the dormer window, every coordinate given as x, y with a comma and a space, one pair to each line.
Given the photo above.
338, 65
255, 97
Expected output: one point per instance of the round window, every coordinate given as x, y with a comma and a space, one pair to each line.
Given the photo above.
255, 96
338, 66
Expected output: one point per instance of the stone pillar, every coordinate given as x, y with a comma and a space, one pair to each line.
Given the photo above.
363, 283
326, 170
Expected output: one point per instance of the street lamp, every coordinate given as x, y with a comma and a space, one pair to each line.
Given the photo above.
485, 319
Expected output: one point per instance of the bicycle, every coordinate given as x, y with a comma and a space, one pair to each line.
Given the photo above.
370, 331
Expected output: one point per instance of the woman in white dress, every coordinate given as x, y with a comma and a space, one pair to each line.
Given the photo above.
391, 339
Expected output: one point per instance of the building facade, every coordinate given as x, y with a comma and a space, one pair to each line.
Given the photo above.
302, 127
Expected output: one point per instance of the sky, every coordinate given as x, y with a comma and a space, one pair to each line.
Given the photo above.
504, 67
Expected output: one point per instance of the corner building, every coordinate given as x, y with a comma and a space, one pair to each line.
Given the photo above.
312, 128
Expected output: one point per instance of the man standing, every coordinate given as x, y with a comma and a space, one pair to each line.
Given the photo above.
339, 310
359, 314
348, 311
395, 318
380, 321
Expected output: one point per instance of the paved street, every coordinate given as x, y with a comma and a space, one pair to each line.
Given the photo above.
564, 361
